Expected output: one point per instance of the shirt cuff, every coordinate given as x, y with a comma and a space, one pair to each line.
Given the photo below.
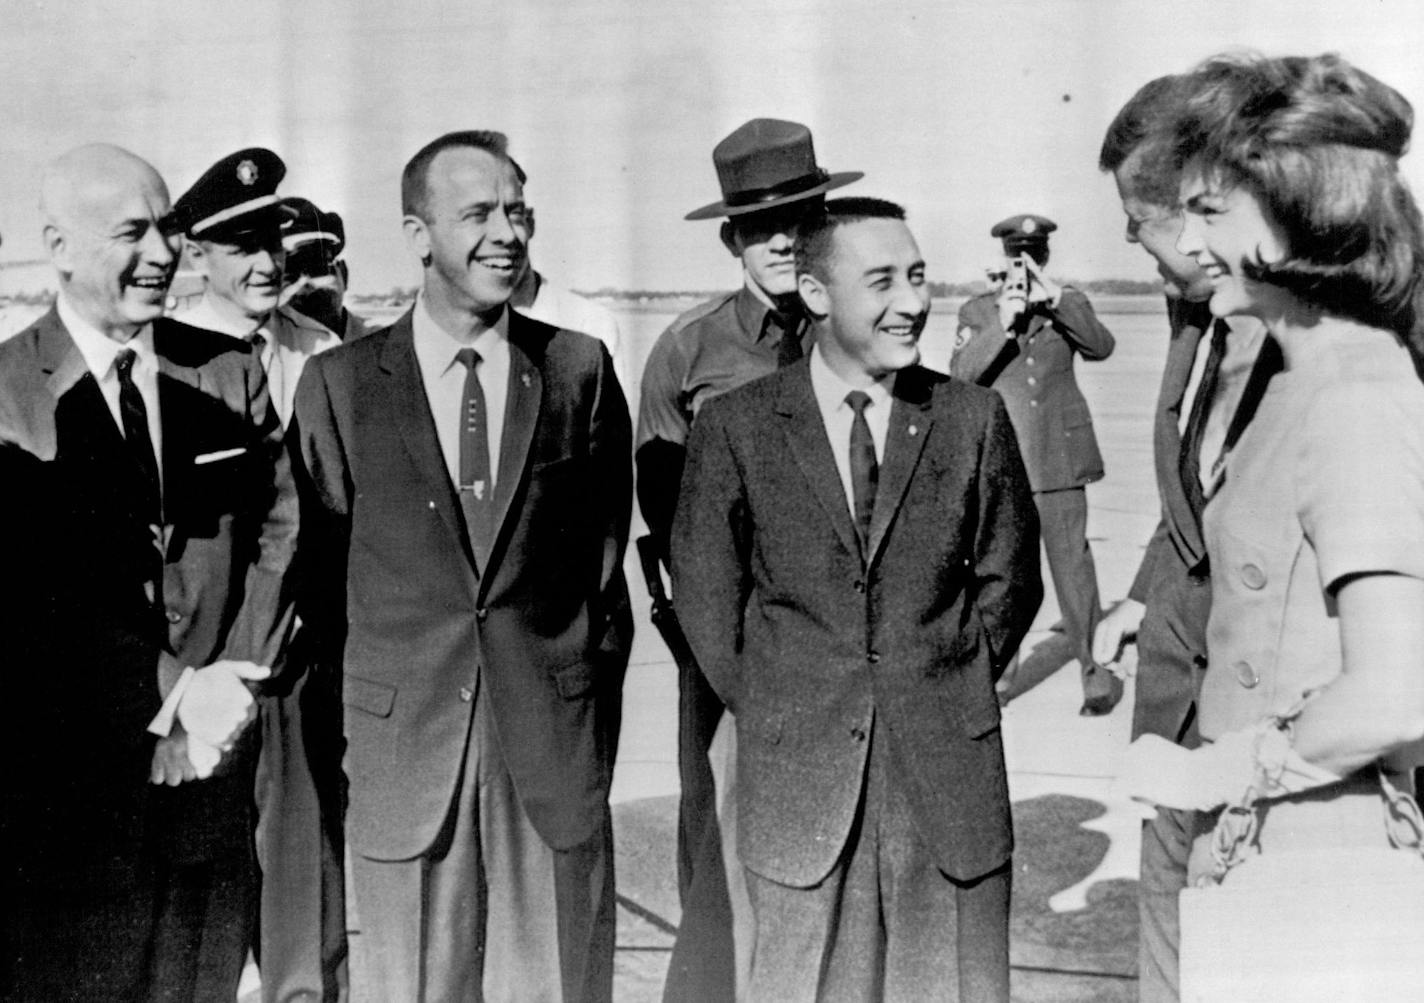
162, 723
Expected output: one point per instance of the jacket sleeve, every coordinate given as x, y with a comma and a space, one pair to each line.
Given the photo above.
979, 338
1080, 325
1006, 569
711, 575
610, 449
1147, 570
264, 622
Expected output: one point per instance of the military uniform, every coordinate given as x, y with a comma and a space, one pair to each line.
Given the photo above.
1033, 372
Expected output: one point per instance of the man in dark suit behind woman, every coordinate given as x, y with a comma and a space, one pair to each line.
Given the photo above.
467, 481
152, 516
856, 553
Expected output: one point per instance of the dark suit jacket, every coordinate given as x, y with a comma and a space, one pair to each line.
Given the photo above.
807, 642
105, 603
1050, 416
543, 632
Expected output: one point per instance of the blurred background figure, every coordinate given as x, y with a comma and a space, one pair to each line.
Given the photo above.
315, 275
1023, 341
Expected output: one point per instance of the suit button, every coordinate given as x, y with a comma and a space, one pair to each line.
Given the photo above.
859, 586
1252, 576
873, 658
1199, 661
858, 734
466, 694
1032, 382
1033, 403
1246, 674
174, 616
1029, 360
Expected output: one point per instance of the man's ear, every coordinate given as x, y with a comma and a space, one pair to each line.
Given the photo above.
197, 256
529, 221
417, 237
730, 239
814, 294
56, 242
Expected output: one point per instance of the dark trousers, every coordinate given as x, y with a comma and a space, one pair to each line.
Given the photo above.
1166, 846
302, 928
1063, 517
702, 966
887, 923
490, 912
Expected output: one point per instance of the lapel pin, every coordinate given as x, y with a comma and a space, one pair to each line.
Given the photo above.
914, 430
524, 378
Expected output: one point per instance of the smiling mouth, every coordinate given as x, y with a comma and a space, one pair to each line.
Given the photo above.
151, 283
909, 332
500, 264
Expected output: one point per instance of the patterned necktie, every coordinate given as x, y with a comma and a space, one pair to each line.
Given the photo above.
1189, 461
864, 470
134, 417
475, 483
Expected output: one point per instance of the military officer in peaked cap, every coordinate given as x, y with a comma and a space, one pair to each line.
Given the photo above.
316, 274
770, 181
1022, 341
233, 220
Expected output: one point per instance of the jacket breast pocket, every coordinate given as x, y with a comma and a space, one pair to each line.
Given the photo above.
376, 699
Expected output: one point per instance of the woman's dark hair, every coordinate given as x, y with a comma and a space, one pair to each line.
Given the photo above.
1319, 142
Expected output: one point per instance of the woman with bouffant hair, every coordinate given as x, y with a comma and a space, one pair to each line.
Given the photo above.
1294, 206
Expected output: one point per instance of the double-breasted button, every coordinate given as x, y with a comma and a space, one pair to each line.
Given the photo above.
858, 733
873, 657
1246, 674
466, 694
1252, 576
174, 616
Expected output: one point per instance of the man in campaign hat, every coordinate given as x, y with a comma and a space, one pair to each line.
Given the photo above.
232, 217
316, 275
233, 220
770, 181
1022, 341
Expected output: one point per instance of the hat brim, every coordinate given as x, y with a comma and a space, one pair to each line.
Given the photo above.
262, 217
720, 210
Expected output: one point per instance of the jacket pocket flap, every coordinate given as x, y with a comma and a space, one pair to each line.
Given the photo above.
372, 697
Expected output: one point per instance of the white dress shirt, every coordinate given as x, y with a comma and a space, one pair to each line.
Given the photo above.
100, 354
838, 416
1244, 337
444, 378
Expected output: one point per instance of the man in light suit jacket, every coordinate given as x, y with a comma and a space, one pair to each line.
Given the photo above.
1166, 609
153, 517
1023, 341
856, 550
483, 627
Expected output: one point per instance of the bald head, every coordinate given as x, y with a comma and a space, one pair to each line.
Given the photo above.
106, 216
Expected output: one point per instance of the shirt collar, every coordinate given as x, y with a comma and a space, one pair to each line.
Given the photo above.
437, 351
100, 351
831, 390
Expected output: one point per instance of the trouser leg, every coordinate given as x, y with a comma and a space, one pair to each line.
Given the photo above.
1166, 844
1063, 516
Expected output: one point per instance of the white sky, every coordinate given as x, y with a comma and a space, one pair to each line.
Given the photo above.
963, 111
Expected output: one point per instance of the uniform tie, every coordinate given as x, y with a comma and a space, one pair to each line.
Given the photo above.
475, 486
134, 417
864, 470
788, 348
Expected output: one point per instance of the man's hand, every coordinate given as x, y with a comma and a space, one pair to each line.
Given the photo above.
180, 758
217, 705
1116, 630
1041, 289
1011, 305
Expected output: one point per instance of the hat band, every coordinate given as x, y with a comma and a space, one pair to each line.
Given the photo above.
232, 212
795, 186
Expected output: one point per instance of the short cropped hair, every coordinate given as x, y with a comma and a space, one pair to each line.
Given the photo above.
1319, 142
814, 238
1136, 127
415, 186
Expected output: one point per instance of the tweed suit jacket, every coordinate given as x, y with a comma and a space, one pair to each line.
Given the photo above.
540, 627
810, 641
1050, 416
107, 601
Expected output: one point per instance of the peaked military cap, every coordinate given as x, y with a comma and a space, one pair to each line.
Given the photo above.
310, 224
236, 195
1023, 230
766, 163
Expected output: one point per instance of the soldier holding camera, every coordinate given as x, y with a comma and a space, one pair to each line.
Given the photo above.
1022, 340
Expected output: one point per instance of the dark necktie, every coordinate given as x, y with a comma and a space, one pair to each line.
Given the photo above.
475, 486
788, 349
1189, 461
134, 416
864, 470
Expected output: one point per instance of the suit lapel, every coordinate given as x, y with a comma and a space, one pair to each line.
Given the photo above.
810, 447
1190, 322
521, 417
410, 411
909, 428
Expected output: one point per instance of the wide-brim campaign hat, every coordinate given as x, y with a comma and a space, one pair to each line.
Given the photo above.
767, 163
237, 195
310, 225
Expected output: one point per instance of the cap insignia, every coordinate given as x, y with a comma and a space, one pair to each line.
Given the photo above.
247, 172
1029, 225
